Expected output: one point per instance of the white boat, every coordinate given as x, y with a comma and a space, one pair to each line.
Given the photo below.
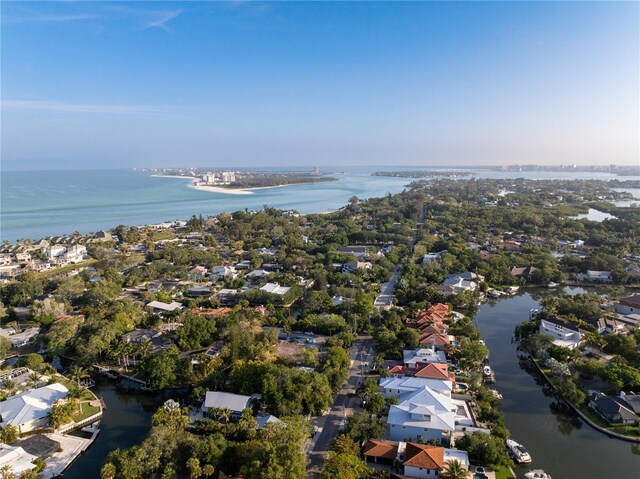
537, 474
512, 289
486, 370
552, 285
496, 394
519, 453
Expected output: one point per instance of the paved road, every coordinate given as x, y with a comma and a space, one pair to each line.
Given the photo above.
361, 354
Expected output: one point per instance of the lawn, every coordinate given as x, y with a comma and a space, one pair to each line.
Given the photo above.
503, 473
87, 411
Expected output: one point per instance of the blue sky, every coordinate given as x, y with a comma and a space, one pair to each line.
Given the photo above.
258, 84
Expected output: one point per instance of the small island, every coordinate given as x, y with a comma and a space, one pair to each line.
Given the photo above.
240, 182
424, 174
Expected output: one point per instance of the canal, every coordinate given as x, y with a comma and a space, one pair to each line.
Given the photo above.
125, 423
558, 440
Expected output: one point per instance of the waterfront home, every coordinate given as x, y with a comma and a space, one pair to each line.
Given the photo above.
16, 460
564, 333
395, 386
596, 277
436, 340
527, 272
607, 325
159, 307
424, 414
417, 358
418, 460
275, 288
463, 282
216, 400
613, 409
435, 371
20, 339
628, 305
30, 410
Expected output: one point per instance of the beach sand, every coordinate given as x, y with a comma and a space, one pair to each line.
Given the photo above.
217, 189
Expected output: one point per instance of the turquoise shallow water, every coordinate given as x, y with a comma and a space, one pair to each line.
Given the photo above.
35, 204
41, 203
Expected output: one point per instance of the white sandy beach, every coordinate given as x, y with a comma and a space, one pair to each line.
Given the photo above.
219, 189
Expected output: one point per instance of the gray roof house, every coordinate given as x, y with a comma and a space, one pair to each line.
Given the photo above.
221, 400
613, 409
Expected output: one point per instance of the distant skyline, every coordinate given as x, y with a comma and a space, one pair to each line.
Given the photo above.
180, 84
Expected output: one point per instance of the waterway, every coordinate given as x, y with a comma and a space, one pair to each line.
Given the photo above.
125, 423
558, 440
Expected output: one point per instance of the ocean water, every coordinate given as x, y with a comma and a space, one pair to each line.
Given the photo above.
35, 204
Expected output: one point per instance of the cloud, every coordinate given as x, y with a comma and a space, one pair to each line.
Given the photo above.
62, 107
50, 18
161, 19
150, 18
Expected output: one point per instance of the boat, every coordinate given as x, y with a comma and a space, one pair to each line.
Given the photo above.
537, 474
496, 394
511, 290
494, 293
486, 370
519, 453
552, 285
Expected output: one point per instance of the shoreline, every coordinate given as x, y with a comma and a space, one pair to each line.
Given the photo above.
228, 191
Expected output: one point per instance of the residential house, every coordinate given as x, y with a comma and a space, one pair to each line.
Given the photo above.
433, 257
275, 288
55, 250
199, 291
596, 277
417, 358
563, 332
236, 403
138, 336
353, 266
424, 414
23, 257
613, 409
394, 386
75, 254
22, 338
359, 252
257, 273
197, 273
30, 410
221, 272
418, 460
527, 272
16, 460
628, 305
160, 308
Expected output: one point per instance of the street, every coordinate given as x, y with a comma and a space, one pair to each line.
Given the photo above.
361, 354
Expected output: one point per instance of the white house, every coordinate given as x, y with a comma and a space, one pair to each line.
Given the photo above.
257, 273
596, 276
22, 338
30, 410
75, 253
220, 272
422, 414
275, 288
55, 251
394, 386
16, 459
412, 358
564, 333
159, 307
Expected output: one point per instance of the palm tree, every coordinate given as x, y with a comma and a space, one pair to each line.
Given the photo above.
108, 471
193, 464
145, 347
454, 470
6, 472
34, 378
78, 373
208, 470
75, 393
48, 369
